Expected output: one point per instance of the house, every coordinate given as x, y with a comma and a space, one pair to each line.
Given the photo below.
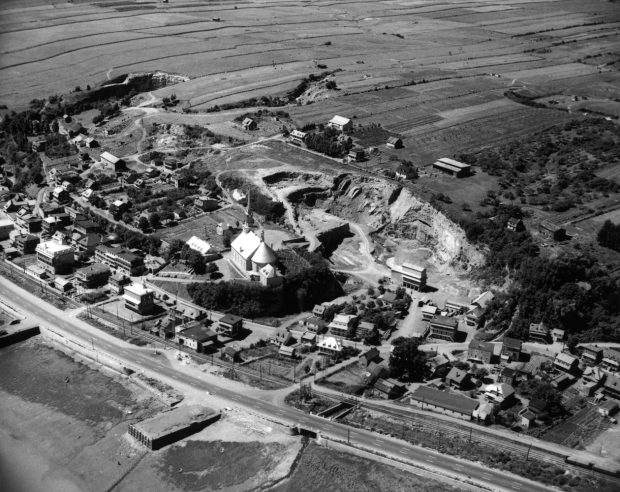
591, 355
434, 364
250, 252
566, 362
318, 310
428, 312
297, 137
229, 325
329, 346
314, 324
206, 204
611, 387
93, 276
170, 164
610, 363
371, 355
282, 337
539, 332
443, 402
342, 324
117, 283
394, 143
405, 172
116, 162
340, 123
388, 390
6, 226
26, 243
249, 124
85, 244
458, 378
508, 376
562, 381
452, 167
287, 351
364, 329
63, 284
515, 225
231, 354
389, 298
356, 154
374, 371
558, 335
511, 348
475, 316
308, 339
55, 257
443, 328
139, 299
480, 351
37, 144
538, 407
409, 276
527, 418
198, 337
608, 408
500, 393
85, 226
552, 231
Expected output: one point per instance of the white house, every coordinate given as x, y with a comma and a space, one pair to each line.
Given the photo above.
340, 123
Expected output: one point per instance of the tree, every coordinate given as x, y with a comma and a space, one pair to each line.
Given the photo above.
155, 220
406, 361
196, 262
32, 190
609, 235
143, 223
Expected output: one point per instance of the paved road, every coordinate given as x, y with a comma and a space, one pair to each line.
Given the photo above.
136, 358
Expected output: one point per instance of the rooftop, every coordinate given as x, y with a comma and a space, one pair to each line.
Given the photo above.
169, 422
449, 401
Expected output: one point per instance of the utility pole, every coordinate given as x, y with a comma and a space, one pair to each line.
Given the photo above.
528, 452
471, 429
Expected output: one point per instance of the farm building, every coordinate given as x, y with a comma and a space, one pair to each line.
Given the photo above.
608, 408
552, 231
452, 167
249, 124
394, 143
443, 328
287, 351
447, 403
409, 276
116, 162
297, 137
340, 123
356, 155
170, 427
515, 225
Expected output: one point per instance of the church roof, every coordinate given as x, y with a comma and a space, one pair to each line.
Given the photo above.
246, 243
264, 254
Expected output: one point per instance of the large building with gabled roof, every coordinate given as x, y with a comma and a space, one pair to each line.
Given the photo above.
250, 252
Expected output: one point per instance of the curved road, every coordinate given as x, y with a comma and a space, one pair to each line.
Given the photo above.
59, 322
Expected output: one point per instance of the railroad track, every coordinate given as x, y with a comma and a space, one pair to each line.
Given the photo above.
500, 443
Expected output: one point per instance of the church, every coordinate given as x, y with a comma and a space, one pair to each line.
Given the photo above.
250, 252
